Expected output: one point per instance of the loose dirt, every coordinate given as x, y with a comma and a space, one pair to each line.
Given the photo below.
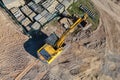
93, 56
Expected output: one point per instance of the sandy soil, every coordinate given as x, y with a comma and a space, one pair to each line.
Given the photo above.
12, 61
88, 57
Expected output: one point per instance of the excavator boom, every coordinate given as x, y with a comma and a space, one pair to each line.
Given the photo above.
70, 30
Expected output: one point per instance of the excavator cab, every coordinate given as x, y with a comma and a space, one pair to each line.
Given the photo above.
48, 52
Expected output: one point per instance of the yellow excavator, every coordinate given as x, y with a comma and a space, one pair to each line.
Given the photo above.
54, 45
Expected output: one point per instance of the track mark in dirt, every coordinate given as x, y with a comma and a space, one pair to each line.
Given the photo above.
101, 6
22, 74
40, 75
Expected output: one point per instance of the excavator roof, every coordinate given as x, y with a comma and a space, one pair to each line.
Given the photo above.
45, 54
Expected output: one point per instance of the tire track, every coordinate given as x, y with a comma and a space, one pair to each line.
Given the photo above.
26, 70
40, 75
101, 6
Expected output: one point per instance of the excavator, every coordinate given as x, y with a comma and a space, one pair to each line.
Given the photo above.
54, 45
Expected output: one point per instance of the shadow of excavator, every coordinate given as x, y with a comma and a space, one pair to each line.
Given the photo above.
34, 43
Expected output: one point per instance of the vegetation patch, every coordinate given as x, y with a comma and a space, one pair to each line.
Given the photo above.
75, 9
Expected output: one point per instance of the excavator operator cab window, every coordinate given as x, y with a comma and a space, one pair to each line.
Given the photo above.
45, 54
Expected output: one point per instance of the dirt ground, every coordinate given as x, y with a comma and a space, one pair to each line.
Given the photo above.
93, 56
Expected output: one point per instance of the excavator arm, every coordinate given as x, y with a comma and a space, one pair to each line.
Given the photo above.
60, 42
